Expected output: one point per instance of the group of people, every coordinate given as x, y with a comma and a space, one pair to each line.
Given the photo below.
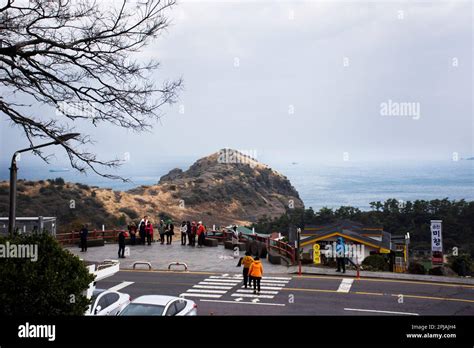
252, 272
191, 230
144, 233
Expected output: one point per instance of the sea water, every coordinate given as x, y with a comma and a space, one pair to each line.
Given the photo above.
319, 184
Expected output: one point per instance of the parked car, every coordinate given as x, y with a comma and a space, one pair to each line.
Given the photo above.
106, 302
160, 305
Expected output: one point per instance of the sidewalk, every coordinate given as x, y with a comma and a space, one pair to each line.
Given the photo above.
305, 270
205, 259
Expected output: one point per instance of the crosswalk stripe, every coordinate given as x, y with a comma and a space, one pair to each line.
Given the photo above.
262, 292
277, 278
207, 291
217, 284
345, 285
224, 280
274, 281
268, 287
120, 286
252, 295
212, 287
241, 277
200, 295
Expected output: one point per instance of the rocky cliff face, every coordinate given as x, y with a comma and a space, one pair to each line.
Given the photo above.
231, 186
225, 187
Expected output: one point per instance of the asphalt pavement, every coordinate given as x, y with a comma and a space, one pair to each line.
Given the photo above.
287, 294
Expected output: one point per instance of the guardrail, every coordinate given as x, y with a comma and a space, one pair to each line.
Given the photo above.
146, 263
178, 264
73, 237
283, 249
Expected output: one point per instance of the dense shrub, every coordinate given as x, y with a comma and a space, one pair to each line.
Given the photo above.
436, 271
57, 181
46, 286
375, 262
461, 264
416, 268
132, 214
82, 186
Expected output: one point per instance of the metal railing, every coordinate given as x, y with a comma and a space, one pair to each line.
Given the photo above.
73, 237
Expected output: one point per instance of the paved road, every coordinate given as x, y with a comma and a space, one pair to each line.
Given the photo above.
284, 294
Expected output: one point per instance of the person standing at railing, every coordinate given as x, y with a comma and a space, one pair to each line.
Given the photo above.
149, 232
161, 230
235, 236
188, 232
256, 273
201, 230
142, 231
169, 232
193, 233
132, 231
184, 230
83, 235
121, 242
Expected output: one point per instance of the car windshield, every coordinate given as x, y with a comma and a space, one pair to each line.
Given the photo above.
143, 309
96, 294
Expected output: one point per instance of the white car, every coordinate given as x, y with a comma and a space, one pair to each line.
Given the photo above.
160, 305
106, 302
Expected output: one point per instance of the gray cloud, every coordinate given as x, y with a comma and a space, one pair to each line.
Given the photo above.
297, 63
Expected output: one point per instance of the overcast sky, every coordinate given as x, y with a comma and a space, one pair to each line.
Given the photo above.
304, 81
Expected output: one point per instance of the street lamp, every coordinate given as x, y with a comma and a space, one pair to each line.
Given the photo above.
13, 173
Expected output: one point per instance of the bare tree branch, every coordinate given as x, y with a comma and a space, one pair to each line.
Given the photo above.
78, 57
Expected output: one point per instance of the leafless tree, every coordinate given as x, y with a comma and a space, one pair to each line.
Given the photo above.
79, 56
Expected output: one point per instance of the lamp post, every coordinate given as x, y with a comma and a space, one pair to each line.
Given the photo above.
298, 251
13, 176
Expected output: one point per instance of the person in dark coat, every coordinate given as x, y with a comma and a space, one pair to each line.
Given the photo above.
162, 231
193, 233
121, 242
189, 232
149, 232
132, 231
83, 235
169, 232
142, 231
340, 255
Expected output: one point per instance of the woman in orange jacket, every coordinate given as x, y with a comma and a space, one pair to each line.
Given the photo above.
246, 261
256, 273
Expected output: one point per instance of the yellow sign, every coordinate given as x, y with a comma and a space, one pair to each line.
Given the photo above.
316, 254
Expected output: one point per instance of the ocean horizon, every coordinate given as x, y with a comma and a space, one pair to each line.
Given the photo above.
319, 185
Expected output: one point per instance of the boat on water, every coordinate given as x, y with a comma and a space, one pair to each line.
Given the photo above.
60, 170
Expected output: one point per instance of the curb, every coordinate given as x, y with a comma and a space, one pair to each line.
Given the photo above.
395, 276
